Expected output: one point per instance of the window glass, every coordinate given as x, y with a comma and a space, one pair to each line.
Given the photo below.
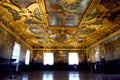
73, 58
27, 58
48, 58
16, 52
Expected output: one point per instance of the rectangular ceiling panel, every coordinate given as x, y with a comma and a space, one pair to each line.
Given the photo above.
66, 12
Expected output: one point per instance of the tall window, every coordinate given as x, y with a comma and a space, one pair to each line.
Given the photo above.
73, 58
27, 58
48, 58
16, 52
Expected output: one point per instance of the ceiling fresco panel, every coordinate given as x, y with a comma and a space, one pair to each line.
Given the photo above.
22, 3
65, 12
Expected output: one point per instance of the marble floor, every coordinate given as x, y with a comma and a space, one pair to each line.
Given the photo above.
61, 75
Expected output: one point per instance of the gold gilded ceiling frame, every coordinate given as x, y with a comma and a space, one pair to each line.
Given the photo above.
57, 28
55, 37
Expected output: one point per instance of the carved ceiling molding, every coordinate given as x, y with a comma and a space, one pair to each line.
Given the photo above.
53, 24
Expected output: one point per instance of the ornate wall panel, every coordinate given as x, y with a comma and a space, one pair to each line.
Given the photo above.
108, 49
102, 50
37, 56
23, 53
6, 43
61, 56
94, 53
112, 50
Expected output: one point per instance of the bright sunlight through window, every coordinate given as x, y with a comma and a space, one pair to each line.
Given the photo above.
48, 58
16, 52
73, 58
27, 58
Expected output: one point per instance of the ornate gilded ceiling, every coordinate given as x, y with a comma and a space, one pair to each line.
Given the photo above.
60, 24
66, 13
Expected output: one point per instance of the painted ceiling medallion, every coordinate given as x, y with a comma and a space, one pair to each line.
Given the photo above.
37, 30
61, 37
